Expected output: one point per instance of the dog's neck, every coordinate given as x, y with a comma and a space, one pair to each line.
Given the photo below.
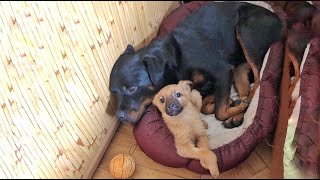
169, 53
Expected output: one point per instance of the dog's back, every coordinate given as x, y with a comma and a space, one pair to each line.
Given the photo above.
212, 28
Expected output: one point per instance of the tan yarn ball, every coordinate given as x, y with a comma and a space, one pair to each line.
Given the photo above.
122, 166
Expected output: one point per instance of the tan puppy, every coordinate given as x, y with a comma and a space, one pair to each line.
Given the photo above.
180, 107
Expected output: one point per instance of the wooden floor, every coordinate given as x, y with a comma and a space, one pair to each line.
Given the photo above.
257, 166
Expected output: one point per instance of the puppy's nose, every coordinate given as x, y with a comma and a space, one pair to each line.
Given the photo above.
121, 116
172, 106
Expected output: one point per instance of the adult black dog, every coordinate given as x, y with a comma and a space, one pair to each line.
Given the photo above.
222, 41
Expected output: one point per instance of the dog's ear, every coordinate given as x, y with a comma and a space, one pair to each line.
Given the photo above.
129, 50
155, 68
185, 85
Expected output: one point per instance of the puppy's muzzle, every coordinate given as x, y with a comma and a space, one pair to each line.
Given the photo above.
173, 108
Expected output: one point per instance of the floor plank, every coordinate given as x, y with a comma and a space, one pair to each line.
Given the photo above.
124, 142
264, 174
265, 152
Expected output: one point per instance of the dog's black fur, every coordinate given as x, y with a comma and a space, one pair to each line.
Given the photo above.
206, 41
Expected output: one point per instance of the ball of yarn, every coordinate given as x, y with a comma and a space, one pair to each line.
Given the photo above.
122, 166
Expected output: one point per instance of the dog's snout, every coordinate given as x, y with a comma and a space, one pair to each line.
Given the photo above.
173, 109
171, 106
121, 116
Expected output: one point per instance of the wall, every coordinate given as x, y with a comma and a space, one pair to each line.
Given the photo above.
55, 62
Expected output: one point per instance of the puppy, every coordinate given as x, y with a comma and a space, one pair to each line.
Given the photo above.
180, 107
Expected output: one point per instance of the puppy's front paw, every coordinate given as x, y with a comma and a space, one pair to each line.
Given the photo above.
209, 161
214, 171
196, 98
211, 165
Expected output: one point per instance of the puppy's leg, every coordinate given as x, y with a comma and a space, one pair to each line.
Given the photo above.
196, 99
209, 159
242, 85
188, 150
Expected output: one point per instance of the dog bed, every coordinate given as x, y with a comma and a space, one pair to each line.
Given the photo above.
296, 144
232, 146
301, 147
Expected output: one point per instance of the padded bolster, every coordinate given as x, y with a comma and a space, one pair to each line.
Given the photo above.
155, 139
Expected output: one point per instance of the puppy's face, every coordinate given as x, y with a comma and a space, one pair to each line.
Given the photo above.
173, 98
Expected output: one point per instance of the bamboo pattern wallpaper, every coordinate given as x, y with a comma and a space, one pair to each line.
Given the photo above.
55, 61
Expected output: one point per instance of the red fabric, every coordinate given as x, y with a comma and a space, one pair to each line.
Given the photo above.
154, 138
307, 135
170, 23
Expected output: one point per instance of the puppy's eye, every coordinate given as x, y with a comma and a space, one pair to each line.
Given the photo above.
178, 94
162, 99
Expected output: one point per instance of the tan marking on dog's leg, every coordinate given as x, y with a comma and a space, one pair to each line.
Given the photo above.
252, 65
242, 85
225, 111
197, 77
241, 80
134, 114
208, 105
292, 59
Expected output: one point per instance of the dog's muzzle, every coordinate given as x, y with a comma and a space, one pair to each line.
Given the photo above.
174, 109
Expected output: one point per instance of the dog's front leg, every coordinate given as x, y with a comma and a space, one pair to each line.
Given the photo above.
223, 111
207, 158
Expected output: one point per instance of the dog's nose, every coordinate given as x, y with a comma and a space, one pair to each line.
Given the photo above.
121, 116
171, 106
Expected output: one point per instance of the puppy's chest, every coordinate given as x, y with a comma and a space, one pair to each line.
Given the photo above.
189, 124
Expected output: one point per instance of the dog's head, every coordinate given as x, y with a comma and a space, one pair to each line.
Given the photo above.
173, 98
135, 78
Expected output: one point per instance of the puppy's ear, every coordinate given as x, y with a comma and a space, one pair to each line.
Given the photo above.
185, 85
129, 50
155, 68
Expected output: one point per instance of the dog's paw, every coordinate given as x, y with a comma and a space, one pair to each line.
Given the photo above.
237, 102
208, 160
231, 103
234, 121
214, 172
245, 101
211, 164
205, 124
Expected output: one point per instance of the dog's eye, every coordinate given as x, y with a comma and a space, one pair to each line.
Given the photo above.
162, 99
130, 90
178, 94
114, 92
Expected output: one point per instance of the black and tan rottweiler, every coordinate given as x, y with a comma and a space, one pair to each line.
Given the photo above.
215, 46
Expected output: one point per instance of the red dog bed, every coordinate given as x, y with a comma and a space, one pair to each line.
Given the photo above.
154, 138
301, 146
